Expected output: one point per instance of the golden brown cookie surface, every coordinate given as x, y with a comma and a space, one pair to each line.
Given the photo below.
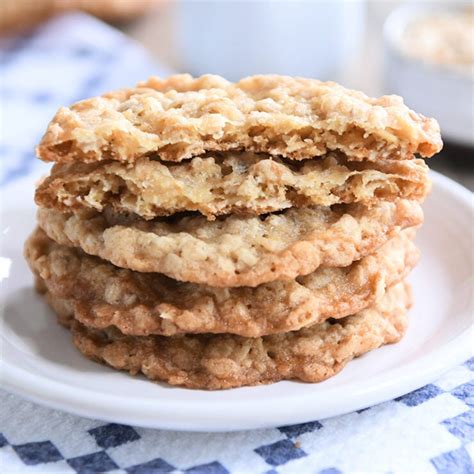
235, 251
228, 183
225, 361
141, 304
181, 117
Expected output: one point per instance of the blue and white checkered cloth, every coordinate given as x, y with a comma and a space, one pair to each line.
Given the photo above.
430, 430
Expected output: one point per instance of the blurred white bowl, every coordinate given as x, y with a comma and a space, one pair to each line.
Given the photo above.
434, 90
240, 38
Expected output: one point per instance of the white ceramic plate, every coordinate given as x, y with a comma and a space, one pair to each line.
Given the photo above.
40, 363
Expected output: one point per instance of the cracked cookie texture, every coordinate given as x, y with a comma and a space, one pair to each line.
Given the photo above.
212, 235
228, 183
207, 361
181, 117
140, 304
235, 251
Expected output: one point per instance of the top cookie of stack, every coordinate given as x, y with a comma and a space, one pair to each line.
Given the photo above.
283, 175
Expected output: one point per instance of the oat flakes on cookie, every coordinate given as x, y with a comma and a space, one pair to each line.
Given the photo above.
182, 117
140, 304
228, 183
214, 234
235, 251
224, 361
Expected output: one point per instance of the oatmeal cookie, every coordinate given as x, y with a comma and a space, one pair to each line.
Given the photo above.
224, 361
141, 304
229, 183
21, 14
181, 117
235, 251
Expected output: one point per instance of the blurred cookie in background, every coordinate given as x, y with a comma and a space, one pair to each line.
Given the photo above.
429, 60
17, 15
443, 38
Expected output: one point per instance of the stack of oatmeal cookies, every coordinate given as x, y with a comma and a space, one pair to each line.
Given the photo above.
214, 234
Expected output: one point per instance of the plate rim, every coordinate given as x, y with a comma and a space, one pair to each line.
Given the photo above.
63, 397
207, 415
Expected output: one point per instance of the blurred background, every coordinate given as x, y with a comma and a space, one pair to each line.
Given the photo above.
421, 50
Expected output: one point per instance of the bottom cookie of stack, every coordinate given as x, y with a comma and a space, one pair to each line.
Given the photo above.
219, 361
